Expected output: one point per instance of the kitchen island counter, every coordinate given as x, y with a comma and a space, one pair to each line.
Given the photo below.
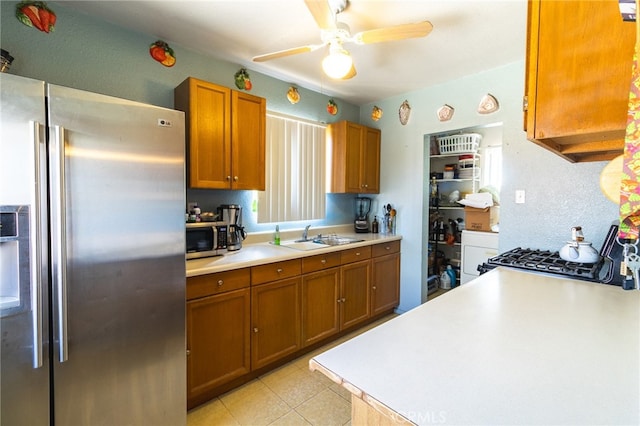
510, 347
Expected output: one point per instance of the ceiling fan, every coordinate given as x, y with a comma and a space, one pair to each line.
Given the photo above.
338, 64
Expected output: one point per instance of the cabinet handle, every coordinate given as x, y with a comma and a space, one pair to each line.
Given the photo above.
235, 178
374, 287
220, 282
357, 253
228, 177
255, 329
279, 270
387, 248
323, 261
339, 300
343, 300
188, 352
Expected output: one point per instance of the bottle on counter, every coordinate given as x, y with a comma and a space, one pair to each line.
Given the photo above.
276, 236
375, 225
197, 211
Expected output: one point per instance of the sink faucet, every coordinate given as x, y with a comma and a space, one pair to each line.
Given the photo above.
305, 233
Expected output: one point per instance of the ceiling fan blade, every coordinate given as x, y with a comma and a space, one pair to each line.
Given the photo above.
398, 32
286, 52
322, 13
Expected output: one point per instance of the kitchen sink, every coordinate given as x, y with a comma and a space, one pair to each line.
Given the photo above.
303, 245
335, 240
319, 242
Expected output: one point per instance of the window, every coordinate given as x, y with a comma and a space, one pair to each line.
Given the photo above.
492, 166
295, 171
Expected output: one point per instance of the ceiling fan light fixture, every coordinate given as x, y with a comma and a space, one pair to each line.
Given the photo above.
337, 63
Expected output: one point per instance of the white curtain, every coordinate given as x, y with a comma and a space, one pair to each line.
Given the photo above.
296, 170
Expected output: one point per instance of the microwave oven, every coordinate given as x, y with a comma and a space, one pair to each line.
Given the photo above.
205, 239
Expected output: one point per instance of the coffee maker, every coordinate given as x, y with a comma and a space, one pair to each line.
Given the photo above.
362, 207
232, 215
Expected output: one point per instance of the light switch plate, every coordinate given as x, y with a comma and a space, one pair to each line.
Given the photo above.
519, 196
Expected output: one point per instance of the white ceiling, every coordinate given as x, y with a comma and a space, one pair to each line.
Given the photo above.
468, 36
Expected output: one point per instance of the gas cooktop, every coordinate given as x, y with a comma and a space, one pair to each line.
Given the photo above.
543, 261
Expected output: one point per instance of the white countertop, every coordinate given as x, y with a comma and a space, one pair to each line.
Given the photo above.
264, 252
510, 347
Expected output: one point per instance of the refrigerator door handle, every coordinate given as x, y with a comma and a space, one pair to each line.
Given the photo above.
58, 237
36, 249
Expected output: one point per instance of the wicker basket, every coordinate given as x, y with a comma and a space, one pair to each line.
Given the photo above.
456, 144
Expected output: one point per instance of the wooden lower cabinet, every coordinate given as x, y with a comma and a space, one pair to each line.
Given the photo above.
354, 284
275, 317
385, 277
240, 323
320, 305
218, 340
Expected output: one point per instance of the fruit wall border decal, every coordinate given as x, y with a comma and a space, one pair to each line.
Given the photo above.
332, 107
161, 52
404, 112
242, 79
293, 96
36, 14
445, 112
376, 113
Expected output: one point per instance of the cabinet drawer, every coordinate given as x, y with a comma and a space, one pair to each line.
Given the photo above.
320, 261
355, 254
207, 285
275, 271
386, 248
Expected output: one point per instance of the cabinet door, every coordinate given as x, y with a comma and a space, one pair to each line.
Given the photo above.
370, 161
353, 157
207, 110
218, 340
385, 288
354, 293
275, 309
578, 75
248, 147
320, 305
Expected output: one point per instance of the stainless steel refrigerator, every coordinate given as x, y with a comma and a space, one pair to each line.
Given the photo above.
92, 263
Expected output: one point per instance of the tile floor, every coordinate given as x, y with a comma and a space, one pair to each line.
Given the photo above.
289, 395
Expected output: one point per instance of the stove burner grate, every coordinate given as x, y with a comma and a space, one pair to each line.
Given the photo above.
543, 261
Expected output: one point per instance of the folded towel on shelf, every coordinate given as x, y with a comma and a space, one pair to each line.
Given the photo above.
478, 200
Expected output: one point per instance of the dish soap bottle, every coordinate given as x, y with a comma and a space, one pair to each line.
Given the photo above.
276, 236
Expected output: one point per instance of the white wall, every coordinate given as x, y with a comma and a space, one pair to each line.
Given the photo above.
559, 194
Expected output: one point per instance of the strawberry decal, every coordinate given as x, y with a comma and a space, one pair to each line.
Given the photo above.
242, 80
36, 14
332, 107
161, 52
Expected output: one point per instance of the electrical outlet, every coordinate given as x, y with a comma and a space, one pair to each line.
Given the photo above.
519, 196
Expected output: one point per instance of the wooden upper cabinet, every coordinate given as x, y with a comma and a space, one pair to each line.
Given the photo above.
355, 158
248, 135
579, 58
226, 132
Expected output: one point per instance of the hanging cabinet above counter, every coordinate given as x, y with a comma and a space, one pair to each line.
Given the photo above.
579, 57
226, 132
355, 158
